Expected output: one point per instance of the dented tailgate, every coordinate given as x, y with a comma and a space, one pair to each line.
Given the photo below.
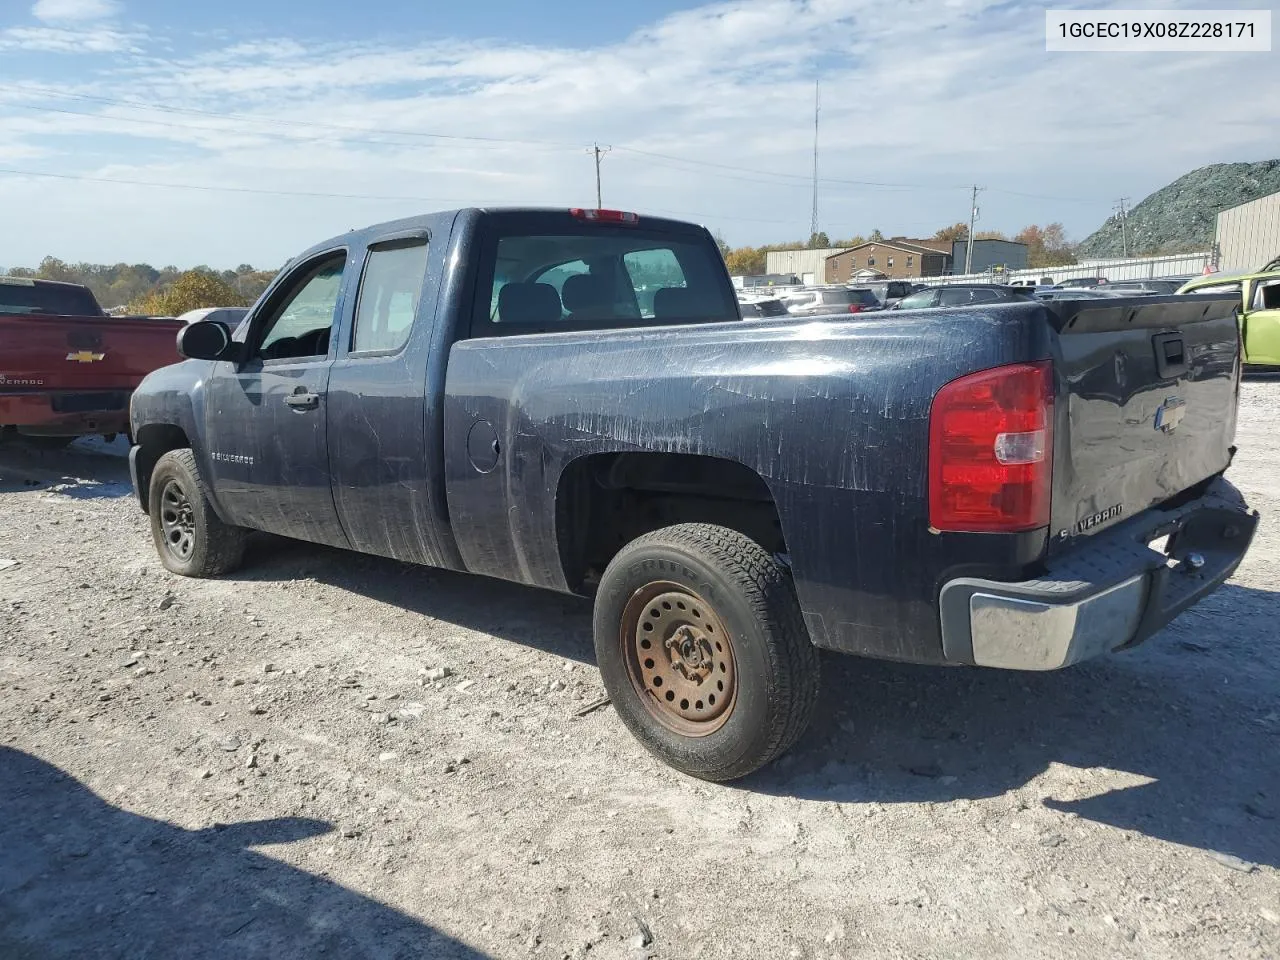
1146, 404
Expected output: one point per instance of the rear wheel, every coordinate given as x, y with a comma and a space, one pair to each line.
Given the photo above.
703, 650
189, 537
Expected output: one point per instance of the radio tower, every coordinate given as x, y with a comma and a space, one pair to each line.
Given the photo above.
813, 216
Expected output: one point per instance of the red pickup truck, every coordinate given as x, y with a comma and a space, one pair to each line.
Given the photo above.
66, 368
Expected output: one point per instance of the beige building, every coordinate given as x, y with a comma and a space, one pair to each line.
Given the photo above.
805, 264
1248, 236
896, 257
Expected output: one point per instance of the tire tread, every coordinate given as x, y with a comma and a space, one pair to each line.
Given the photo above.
766, 586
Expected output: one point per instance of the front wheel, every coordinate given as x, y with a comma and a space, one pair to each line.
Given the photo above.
703, 650
189, 537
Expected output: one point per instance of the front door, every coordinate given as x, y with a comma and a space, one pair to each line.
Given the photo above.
1262, 324
266, 416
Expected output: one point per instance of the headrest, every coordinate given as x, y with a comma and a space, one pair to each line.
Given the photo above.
528, 303
676, 302
585, 291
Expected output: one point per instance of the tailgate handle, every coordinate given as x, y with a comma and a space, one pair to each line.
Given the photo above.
1171, 355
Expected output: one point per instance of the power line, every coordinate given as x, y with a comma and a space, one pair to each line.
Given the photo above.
778, 177
225, 189
249, 118
329, 196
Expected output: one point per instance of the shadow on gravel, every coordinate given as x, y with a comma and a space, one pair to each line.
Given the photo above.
552, 622
1193, 711
89, 469
81, 878
1191, 718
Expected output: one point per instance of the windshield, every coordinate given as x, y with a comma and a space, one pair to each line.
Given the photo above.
18, 295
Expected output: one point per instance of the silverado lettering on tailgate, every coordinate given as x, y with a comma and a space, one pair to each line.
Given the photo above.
1088, 523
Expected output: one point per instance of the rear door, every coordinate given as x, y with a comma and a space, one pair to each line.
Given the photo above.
266, 417
1146, 405
381, 452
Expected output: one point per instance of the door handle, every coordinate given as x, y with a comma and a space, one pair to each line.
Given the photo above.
303, 401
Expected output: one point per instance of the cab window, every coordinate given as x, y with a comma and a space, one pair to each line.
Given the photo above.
389, 293
1267, 295
300, 323
602, 278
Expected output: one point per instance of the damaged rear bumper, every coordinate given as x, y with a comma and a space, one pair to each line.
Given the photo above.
1112, 592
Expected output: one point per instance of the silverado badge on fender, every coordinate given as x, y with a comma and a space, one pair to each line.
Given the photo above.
1170, 413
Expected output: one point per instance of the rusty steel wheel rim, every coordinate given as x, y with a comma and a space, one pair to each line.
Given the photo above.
679, 658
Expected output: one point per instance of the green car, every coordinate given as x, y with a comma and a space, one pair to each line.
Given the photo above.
1260, 309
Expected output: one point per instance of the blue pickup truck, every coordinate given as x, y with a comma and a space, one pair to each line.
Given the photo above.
571, 399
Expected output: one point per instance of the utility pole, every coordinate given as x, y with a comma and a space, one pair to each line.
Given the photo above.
599, 153
813, 216
973, 216
1124, 218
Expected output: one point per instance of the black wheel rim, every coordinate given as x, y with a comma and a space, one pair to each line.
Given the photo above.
177, 521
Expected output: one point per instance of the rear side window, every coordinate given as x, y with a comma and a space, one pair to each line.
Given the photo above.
601, 278
20, 295
389, 294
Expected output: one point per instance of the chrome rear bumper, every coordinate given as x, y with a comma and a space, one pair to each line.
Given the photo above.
1113, 591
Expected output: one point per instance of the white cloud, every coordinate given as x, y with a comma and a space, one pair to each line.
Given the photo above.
63, 40
922, 92
64, 10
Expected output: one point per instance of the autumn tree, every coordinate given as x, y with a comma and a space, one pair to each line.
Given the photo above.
876, 235
957, 231
745, 261
819, 241
1046, 246
190, 291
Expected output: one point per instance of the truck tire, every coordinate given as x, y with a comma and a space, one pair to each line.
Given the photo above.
189, 537
703, 650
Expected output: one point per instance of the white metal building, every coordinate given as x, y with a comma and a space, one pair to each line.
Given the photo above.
809, 265
1249, 235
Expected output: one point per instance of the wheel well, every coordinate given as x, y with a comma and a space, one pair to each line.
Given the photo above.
606, 500
154, 441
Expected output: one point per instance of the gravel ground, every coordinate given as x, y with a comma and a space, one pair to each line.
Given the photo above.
267, 766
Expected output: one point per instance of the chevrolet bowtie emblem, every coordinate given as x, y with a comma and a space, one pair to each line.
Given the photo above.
86, 356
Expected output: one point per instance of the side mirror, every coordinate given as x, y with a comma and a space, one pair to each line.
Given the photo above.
207, 340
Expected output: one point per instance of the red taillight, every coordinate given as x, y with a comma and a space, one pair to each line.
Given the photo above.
604, 216
991, 450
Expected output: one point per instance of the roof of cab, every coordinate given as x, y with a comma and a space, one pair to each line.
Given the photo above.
360, 236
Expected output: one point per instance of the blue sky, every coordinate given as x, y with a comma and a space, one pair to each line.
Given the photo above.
240, 131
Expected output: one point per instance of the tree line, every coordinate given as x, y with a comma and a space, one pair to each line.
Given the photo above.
141, 288
1046, 246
